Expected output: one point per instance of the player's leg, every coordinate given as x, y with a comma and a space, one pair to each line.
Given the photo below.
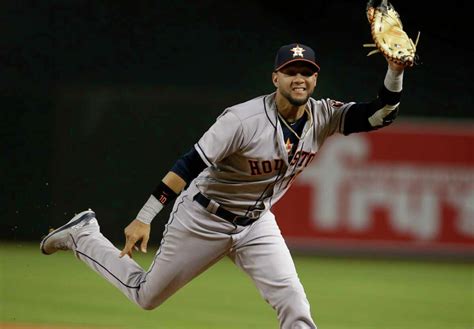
264, 256
191, 244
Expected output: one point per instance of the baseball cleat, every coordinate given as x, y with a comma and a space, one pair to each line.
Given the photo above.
62, 237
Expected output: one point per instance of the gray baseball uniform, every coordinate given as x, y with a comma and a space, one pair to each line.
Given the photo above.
248, 171
249, 168
251, 157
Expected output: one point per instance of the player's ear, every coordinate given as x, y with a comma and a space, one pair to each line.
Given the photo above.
275, 79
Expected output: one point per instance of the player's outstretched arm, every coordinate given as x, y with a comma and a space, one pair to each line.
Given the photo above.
400, 52
382, 111
139, 229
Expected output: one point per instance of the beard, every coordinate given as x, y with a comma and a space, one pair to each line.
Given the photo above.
295, 101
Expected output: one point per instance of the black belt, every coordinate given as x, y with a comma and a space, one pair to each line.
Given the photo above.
216, 209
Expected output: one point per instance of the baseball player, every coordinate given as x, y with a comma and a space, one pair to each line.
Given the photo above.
223, 190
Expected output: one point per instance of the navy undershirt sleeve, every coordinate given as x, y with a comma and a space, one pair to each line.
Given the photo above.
357, 116
189, 166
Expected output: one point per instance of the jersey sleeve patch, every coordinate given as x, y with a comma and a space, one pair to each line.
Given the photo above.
335, 104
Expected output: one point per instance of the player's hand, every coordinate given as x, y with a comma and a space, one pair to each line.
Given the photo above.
396, 66
134, 232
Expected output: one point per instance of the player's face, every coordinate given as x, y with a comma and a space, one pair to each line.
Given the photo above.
295, 82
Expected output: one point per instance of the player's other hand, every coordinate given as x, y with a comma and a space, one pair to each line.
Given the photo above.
134, 232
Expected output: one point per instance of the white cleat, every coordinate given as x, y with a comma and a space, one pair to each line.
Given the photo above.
62, 238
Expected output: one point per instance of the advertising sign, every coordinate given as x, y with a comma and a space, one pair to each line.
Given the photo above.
407, 187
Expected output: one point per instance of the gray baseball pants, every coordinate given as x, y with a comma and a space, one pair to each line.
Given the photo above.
194, 240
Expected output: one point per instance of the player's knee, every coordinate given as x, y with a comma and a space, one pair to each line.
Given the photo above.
302, 325
150, 302
148, 306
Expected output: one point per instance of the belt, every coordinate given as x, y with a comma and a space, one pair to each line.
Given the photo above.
214, 208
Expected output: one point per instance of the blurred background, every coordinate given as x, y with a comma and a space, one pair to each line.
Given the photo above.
100, 97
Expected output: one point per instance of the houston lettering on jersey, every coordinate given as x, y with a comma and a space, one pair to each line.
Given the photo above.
301, 158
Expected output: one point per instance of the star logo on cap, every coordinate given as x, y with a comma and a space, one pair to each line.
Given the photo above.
297, 51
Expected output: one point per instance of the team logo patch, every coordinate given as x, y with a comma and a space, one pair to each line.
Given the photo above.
335, 104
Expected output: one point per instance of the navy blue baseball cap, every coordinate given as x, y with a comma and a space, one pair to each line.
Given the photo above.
295, 52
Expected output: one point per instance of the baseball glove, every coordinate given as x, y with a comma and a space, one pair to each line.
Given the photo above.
388, 35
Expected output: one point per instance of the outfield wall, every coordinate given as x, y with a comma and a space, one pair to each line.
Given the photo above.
408, 188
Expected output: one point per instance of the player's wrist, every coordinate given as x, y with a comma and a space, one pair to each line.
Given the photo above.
160, 198
149, 210
393, 79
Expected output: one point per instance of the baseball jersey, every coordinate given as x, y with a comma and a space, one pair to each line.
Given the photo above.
249, 165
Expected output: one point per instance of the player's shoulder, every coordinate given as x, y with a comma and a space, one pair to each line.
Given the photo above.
329, 104
250, 108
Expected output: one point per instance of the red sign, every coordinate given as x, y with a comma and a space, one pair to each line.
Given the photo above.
407, 186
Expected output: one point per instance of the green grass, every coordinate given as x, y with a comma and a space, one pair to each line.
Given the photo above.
344, 294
